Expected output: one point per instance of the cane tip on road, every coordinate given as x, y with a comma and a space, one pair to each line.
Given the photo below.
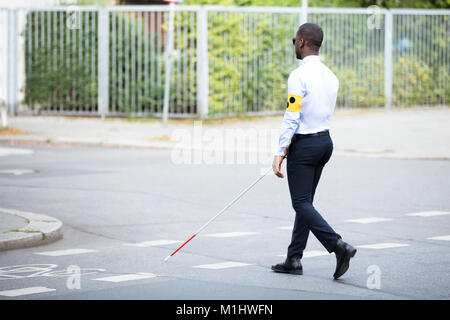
167, 258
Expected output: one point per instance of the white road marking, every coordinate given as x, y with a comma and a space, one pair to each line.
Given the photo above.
230, 234
285, 228
444, 238
144, 244
222, 265
14, 151
369, 220
25, 291
127, 277
17, 172
385, 245
66, 252
428, 213
310, 254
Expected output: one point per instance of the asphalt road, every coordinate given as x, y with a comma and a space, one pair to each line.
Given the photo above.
114, 203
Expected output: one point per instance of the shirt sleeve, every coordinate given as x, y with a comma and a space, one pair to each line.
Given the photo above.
291, 120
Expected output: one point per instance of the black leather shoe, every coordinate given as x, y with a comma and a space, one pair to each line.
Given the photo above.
343, 252
292, 265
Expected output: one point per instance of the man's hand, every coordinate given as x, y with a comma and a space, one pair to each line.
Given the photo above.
276, 166
277, 161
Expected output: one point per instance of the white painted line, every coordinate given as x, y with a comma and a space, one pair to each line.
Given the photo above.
14, 151
428, 213
444, 238
230, 234
17, 172
310, 254
369, 220
384, 245
222, 265
66, 252
144, 244
127, 277
25, 291
285, 228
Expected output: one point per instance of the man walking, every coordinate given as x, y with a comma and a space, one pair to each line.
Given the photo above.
306, 142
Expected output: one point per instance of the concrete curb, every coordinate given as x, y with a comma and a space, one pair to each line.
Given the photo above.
41, 229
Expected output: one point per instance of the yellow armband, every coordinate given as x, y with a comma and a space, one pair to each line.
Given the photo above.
294, 103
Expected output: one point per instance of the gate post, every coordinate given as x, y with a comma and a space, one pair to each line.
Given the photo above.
388, 59
202, 62
12, 93
103, 62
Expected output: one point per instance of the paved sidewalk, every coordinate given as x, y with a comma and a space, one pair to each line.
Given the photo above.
20, 229
415, 133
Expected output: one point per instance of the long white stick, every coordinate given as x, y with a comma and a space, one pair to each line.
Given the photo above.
220, 212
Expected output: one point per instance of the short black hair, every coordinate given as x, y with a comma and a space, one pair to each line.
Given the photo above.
312, 34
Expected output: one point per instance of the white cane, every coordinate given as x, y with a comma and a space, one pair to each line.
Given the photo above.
221, 211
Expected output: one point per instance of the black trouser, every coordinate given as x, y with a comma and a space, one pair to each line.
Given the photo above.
305, 160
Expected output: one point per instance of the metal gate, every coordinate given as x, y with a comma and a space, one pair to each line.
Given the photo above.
226, 60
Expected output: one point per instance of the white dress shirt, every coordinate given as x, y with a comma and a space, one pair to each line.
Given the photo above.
312, 91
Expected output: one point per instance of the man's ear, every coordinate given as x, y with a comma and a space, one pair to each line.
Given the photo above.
301, 43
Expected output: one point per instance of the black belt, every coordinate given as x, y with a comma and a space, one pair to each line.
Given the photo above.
317, 134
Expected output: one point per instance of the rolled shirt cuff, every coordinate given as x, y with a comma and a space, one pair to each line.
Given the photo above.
280, 151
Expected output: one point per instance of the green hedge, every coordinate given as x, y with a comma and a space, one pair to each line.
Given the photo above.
56, 77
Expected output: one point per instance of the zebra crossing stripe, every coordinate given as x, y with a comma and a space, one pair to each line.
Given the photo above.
25, 291
285, 228
385, 245
127, 277
369, 220
222, 265
444, 238
230, 234
14, 151
428, 213
66, 252
144, 244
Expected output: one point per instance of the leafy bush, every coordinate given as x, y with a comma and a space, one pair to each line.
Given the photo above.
59, 76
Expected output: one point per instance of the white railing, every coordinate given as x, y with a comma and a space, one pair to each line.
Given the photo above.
226, 60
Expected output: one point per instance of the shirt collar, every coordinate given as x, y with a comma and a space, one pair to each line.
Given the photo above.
310, 58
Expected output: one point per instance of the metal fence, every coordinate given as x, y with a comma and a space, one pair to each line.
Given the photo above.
226, 60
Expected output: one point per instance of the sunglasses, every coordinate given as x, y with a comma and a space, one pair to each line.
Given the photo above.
293, 41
